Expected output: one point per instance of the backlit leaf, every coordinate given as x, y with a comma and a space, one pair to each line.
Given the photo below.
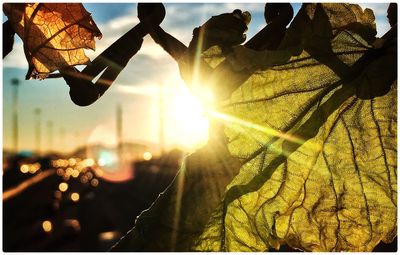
319, 157
54, 34
309, 136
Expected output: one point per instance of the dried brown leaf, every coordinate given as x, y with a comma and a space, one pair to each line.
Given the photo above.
54, 34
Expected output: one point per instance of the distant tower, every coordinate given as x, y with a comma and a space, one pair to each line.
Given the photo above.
15, 83
37, 113
50, 135
77, 139
119, 131
62, 139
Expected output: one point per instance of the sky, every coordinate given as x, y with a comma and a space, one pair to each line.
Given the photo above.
137, 89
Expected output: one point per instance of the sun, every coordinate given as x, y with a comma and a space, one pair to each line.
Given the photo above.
186, 121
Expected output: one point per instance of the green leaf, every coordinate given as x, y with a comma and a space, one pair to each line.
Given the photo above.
303, 150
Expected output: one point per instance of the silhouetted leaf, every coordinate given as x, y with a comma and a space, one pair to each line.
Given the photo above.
309, 137
54, 34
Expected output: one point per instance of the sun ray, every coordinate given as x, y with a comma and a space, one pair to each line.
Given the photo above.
264, 129
180, 187
197, 60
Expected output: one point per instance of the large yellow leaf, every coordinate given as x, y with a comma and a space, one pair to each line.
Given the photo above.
309, 135
54, 34
317, 139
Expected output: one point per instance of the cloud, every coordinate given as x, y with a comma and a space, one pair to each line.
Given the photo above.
181, 19
143, 68
112, 30
380, 9
150, 90
152, 50
382, 26
16, 58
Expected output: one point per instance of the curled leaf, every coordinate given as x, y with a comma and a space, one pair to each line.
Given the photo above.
54, 34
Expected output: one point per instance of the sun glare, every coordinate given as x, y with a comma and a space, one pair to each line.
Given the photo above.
186, 117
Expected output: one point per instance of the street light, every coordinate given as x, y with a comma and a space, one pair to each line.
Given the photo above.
37, 113
119, 132
161, 115
62, 138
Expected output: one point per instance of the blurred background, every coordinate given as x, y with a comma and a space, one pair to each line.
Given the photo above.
75, 178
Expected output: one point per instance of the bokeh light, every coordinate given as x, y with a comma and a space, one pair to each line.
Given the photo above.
47, 226
94, 182
24, 168
63, 186
147, 155
75, 197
